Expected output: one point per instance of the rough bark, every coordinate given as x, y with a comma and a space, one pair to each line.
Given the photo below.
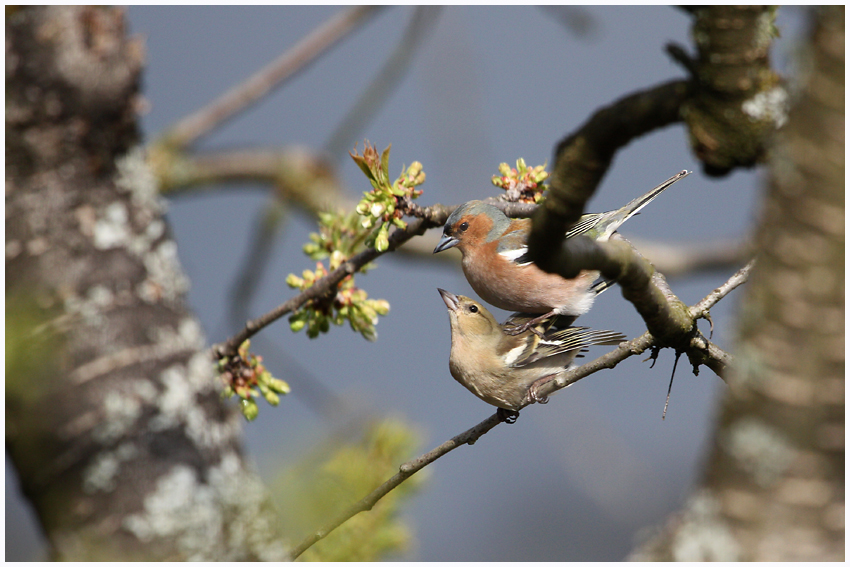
774, 483
113, 420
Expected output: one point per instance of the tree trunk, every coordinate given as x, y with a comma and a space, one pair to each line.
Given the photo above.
113, 418
774, 483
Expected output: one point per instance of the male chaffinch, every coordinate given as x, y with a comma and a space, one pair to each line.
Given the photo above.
495, 263
507, 370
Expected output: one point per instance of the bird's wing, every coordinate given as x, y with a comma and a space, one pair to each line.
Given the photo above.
584, 224
512, 244
516, 349
572, 338
556, 322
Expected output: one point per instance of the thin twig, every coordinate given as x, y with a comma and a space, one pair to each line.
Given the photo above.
405, 471
189, 129
468, 437
740, 277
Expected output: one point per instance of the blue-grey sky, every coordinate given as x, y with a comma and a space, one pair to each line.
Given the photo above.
577, 479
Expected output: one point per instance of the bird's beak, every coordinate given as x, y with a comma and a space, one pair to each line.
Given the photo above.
446, 242
449, 299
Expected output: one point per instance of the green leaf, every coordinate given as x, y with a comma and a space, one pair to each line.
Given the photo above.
364, 167
385, 162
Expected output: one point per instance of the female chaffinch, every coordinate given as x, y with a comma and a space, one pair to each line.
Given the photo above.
507, 370
495, 264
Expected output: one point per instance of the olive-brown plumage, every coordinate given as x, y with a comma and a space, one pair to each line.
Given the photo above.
507, 370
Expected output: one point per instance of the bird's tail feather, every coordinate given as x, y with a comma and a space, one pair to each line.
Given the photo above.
632, 208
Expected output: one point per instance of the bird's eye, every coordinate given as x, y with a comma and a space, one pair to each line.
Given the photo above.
463, 226
473, 309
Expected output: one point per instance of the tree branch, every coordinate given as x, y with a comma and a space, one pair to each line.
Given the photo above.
297, 173
189, 129
737, 101
426, 217
666, 317
470, 436
582, 158
712, 355
436, 215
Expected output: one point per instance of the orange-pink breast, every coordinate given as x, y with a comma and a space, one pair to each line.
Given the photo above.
525, 288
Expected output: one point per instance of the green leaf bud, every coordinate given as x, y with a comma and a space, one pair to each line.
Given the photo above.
279, 386
271, 397
414, 169
294, 281
385, 162
382, 241
382, 306
249, 409
296, 323
369, 334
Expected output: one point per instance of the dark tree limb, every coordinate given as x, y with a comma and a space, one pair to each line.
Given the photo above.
583, 158
732, 69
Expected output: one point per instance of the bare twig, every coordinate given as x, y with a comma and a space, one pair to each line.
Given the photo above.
189, 129
406, 470
468, 437
296, 173
427, 218
740, 277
